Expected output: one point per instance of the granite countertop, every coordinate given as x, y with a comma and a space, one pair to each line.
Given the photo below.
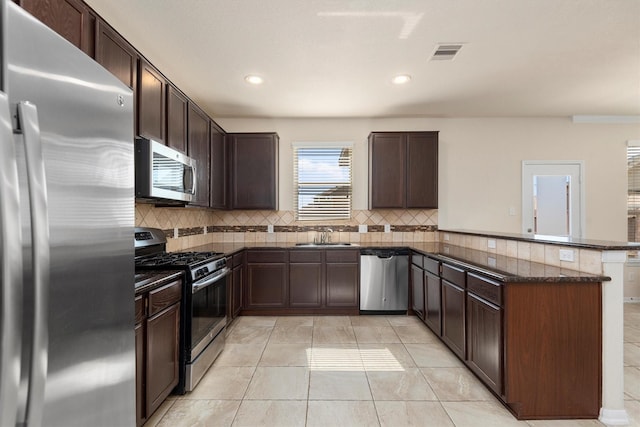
605, 245
147, 280
499, 267
508, 269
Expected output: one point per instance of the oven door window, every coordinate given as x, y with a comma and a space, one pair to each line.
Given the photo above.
209, 307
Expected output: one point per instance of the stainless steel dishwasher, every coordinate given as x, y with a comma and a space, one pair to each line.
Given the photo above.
384, 280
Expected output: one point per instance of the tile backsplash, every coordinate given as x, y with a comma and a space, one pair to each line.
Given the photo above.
190, 227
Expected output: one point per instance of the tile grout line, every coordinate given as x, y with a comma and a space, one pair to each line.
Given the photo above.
255, 368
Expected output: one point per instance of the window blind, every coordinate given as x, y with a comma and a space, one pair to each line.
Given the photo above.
322, 182
633, 198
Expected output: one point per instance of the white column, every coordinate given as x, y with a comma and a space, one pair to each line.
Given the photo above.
612, 411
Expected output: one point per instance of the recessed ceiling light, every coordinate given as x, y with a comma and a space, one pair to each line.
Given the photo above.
253, 79
401, 79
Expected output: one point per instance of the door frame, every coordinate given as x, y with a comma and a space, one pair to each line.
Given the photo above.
526, 220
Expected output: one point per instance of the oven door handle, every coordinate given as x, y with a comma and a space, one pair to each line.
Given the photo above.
209, 280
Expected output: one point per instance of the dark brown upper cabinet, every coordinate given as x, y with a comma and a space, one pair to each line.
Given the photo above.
403, 170
151, 102
198, 149
72, 19
116, 55
254, 170
177, 107
219, 161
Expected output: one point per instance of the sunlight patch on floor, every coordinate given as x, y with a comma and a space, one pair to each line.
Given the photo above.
352, 359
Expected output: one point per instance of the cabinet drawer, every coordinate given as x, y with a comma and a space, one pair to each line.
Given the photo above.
238, 259
163, 297
266, 256
417, 259
312, 255
140, 308
342, 255
432, 266
485, 288
453, 274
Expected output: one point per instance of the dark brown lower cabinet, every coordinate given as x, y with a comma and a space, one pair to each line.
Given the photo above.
236, 290
453, 318
342, 278
553, 349
266, 284
234, 285
484, 341
140, 335
432, 305
417, 291
305, 279
342, 285
305, 285
302, 281
163, 338
157, 343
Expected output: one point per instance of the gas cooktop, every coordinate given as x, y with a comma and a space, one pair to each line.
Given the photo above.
177, 258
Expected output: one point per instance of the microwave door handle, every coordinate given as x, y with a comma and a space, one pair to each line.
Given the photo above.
11, 273
36, 179
194, 173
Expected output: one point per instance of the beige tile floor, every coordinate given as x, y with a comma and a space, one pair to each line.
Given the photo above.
354, 371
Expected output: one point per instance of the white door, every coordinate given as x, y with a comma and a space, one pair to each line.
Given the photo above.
552, 198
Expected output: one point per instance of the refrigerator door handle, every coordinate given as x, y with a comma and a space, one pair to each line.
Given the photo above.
36, 178
11, 272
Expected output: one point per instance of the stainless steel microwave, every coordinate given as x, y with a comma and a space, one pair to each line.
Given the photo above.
163, 174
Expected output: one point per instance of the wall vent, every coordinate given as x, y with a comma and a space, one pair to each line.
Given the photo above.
446, 52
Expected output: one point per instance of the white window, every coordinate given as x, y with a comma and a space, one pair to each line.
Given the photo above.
322, 180
633, 199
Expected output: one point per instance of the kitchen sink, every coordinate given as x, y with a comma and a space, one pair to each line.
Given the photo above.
323, 245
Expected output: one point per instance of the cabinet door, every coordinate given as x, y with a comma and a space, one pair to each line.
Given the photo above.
432, 312
417, 291
198, 149
177, 107
342, 285
422, 170
266, 285
218, 168
484, 341
305, 285
69, 18
116, 55
453, 318
254, 171
163, 340
236, 277
140, 375
151, 102
387, 170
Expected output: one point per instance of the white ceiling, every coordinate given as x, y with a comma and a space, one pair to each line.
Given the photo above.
335, 58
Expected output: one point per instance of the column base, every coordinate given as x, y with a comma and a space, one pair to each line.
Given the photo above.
613, 417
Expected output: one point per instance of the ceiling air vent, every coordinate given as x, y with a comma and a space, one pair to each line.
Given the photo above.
446, 52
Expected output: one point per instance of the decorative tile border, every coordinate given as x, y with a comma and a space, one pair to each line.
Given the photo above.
302, 229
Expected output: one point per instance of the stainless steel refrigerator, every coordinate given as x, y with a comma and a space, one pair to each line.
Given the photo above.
66, 233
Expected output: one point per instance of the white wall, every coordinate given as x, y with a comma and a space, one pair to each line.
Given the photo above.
480, 163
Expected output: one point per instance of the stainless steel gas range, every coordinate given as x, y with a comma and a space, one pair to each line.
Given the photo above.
204, 299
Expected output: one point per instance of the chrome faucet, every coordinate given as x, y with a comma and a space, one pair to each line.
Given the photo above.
325, 237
